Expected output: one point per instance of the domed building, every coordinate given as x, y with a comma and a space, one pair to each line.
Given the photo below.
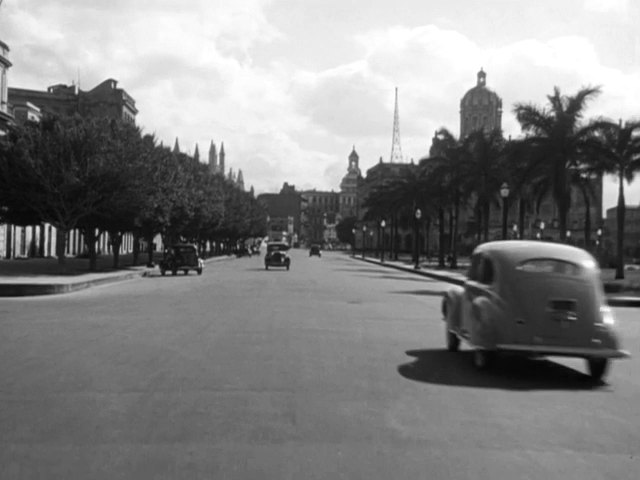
480, 108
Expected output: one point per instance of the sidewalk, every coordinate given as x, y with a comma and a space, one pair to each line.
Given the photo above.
628, 293
44, 276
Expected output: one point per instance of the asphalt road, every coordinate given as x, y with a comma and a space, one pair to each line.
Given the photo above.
335, 369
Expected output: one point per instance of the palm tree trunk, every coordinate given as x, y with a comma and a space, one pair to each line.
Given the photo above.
587, 222
485, 220
454, 234
441, 245
620, 229
521, 217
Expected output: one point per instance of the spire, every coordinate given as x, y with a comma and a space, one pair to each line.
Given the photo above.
176, 146
231, 175
396, 150
196, 154
213, 157
222, 155
240, 180
353, 160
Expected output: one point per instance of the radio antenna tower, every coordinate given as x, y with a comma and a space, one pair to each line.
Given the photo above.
396, 150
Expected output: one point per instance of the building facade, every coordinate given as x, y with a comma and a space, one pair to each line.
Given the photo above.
283, 214
104, 100
348, 202
6, 118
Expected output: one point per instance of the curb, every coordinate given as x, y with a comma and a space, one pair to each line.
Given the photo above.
38, 289
614, 301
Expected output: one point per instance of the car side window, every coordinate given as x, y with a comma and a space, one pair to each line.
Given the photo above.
474, 269
486, 272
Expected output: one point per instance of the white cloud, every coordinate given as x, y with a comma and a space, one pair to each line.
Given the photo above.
607, 6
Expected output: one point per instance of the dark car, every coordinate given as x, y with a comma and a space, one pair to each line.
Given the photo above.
315, 250
181, 257
277, 255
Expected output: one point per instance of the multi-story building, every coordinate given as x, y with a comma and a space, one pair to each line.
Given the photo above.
609, 237
104, 100
320, 214
6, 118
284, 214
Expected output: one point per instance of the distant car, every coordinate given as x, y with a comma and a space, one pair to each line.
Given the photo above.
277, 255
315, 250
181, 257
533, 298
243, 251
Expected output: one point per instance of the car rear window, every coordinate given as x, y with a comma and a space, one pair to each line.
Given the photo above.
549, 265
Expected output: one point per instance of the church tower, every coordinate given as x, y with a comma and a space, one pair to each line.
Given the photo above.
480, 108
349, 186
221, 158
213, 158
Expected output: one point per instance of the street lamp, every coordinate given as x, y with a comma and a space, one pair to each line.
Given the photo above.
418, 216
364, 233
383, 224
541, 233
515, 231
504, 193
353, 242
569, 236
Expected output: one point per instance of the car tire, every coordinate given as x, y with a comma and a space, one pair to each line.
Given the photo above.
287, 266
483, 359
597, 367
174, 272
162, 272
186, 272
453, 341
266, 267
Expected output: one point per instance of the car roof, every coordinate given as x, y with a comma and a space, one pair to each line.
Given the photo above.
517, 251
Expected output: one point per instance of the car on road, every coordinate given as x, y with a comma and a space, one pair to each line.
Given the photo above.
182, 257
315, 250
532, 298
277, 255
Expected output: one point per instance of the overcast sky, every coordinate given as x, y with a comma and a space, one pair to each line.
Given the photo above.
290, 86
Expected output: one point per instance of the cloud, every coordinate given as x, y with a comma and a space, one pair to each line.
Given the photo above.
607, 6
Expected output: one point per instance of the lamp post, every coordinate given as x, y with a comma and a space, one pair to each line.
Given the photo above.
418, 216
383, 224
541, 233
353, 242
569, 236
515, 231
364, 237
504, 193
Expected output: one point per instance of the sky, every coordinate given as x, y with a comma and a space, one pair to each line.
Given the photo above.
291, 86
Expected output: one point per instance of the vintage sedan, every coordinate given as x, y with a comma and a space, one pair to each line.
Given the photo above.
182, 257
277, 255
533, 298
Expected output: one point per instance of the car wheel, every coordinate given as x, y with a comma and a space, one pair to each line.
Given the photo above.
174, 272
162, 272
266, 267
597, 367
482, 359
186, 272
453, 341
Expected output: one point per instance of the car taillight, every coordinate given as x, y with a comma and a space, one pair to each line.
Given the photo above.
606, 316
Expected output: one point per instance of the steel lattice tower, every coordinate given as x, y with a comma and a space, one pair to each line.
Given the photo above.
396, 150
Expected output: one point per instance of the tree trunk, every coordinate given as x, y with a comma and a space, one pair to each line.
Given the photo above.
150, 251
61, 245
115, 238
90, 239
454, 235
620, 230
441, 245
136, 248
587, 223
486, 214
521, 217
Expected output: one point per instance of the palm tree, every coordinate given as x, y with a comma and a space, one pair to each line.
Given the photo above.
618, 147
557, 142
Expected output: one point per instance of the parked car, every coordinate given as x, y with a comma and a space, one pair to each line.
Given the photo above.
533, 298
181, 257
277, 255
315, 250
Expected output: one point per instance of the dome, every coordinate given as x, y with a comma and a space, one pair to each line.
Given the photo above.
480, 95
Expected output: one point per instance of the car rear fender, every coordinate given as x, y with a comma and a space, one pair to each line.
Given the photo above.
487, 321
451, 307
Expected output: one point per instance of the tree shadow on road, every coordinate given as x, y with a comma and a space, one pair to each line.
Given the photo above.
509, 372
